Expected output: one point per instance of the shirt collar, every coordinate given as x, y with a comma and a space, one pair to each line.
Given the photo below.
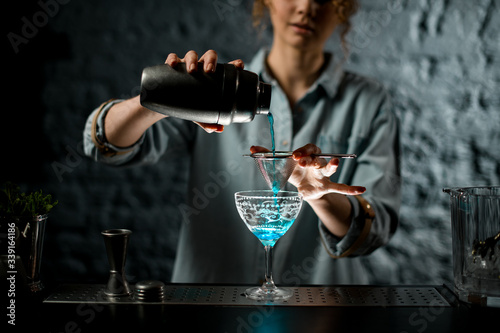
329, 80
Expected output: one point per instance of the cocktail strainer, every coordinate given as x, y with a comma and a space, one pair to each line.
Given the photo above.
277, 167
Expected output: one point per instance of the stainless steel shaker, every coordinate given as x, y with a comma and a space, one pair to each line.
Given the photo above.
229, 95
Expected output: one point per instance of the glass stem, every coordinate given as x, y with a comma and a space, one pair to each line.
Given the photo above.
269, 283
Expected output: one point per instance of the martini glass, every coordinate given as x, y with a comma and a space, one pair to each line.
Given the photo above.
268, 215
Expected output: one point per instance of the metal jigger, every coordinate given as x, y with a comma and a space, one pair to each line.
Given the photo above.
116, 241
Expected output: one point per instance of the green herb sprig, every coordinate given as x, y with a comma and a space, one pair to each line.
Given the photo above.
13, 202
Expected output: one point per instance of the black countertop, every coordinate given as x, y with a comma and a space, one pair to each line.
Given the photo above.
214, 308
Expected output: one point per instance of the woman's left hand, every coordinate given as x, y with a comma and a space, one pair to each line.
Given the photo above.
312, 174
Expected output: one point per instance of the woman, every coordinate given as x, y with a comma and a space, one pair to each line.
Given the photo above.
315, 106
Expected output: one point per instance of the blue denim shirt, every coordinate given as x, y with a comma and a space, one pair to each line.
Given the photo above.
341, 113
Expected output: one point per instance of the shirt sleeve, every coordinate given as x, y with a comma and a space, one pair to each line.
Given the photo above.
96, 145
377, 168
340, 247
167, 134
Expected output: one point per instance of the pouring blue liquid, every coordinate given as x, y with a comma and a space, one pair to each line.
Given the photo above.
275, 185
271, 125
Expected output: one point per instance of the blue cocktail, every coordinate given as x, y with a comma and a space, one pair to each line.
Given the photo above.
268, 215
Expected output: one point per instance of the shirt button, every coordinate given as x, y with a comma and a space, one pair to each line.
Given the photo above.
284, 143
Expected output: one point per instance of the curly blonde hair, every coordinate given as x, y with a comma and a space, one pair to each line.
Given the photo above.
344, 10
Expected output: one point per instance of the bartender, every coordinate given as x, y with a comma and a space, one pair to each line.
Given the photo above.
351, 206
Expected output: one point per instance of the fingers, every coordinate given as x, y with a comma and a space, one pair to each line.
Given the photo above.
172, 59
311, 192
345, 189
330, 168
191, 60
258, 149
306, 150
304, 159
211, 128
237, 63
209, 60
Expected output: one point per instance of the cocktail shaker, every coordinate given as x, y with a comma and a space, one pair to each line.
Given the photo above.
228, 95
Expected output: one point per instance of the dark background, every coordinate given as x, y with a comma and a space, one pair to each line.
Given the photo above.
438, 58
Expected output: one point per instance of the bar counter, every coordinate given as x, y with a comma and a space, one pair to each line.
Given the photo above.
216, 308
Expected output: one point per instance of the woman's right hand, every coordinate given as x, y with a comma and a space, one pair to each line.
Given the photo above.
209, 60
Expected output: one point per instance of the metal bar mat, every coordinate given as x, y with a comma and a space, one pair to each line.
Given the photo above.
234, 295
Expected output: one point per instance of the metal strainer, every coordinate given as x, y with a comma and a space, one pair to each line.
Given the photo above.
277, 167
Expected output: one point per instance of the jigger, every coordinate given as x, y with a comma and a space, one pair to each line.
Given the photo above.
116, 241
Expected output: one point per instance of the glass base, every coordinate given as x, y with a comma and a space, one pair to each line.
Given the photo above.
480, 291
480, 299
275, 294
